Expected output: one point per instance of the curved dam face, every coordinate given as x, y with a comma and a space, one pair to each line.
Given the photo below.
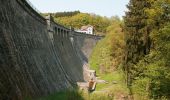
37, 55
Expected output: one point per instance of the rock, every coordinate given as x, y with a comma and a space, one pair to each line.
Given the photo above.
102, 81
114, 82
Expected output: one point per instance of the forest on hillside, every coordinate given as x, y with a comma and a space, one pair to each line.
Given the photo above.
78, 19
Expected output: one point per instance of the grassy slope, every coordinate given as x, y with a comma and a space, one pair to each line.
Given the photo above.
102, 60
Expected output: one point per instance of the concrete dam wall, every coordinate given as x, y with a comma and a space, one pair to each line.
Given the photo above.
37, 55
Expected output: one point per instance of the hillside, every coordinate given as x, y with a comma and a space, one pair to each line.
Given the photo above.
77, 19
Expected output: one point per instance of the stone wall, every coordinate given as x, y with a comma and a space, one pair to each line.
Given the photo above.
37, 55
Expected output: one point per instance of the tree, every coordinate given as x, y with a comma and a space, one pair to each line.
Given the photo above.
149, 75
136, 34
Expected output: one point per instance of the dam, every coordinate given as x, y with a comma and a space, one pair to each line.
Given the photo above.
38, 56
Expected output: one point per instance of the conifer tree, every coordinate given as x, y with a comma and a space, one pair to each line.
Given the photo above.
147, 33
136, 35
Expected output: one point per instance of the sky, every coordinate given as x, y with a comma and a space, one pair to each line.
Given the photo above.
100, 7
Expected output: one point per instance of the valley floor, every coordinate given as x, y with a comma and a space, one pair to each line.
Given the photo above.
113, 89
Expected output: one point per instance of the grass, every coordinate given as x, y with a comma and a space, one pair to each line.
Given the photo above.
55, 96
112, 89
111, 78
65, 95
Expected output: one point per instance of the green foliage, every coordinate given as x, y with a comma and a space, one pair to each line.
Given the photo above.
152, 78
148, 71
62, 14
66, 95
107, 55
111, 91
77, 19
106, 59
116, 76
81, 19
136, 35
101, 59
162, 43
65, 14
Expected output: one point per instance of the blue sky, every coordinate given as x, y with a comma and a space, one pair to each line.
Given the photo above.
101, 7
